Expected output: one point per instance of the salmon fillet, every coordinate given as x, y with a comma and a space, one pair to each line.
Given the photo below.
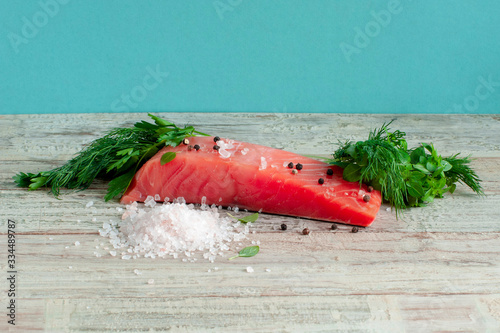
256, 178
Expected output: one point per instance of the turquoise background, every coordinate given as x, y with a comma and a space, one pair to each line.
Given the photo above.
430, 56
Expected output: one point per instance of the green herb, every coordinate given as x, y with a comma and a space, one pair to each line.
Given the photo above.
246, 219
116, 156
249, 251
406, 177
167, 157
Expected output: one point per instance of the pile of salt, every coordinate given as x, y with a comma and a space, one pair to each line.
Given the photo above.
173, 229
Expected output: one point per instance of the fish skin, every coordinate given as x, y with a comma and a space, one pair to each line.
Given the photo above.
239, 177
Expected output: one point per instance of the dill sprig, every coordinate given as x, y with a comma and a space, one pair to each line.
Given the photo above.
406, 177
116, 156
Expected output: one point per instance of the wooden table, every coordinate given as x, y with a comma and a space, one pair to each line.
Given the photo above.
436, 270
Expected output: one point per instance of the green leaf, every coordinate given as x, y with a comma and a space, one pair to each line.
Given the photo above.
167, 157
415, 189
421, 168
248, 251
416, 154
352, 173
446, 165
37, 182
431, 167
161, 122
246, 219
118, 185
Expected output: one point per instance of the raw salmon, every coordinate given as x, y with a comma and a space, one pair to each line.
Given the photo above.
254, 177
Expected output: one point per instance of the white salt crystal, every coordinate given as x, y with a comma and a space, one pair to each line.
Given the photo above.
285, 164
50, 238
388, 209
268, 270
244, 151
89, 204
113, 253
263, 163
70, 267
150, 201
151, 281
157, 197
250, 269
126, 257
77, 243
137, 272
66, 247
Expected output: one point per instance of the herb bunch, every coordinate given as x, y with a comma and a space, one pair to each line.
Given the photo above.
406, 177
116, 156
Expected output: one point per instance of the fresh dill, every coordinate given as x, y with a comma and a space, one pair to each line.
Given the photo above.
116, 156
405, 177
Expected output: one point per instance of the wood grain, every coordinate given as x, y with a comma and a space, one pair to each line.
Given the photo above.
435, 270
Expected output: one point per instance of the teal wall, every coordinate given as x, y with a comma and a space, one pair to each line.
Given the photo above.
378, 56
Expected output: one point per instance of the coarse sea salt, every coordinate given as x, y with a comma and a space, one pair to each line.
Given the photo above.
173, 229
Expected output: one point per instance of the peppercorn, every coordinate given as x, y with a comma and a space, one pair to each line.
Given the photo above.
329, 172
290, 165
190, 147
216, 139
185, 141
216, 147
354, 230
305, 231
298, 166
366, 198
283, 226
197, 147
294, 171
370, 188
334, 227
321, 181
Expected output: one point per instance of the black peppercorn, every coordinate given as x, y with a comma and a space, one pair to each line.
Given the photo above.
216, 139
305, 231
283, 226
185, 141
294, 171
290, 165
321, 181
190, 147
216, 147
298, 166
370, 188
366, 198
354, 230
197, 147
329, 172
334, 227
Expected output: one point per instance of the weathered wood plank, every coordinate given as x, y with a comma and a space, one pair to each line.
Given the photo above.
321, 264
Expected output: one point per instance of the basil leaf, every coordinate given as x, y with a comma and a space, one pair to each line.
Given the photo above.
167, 157
352, 173
248, 251
246, 219
421, 168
